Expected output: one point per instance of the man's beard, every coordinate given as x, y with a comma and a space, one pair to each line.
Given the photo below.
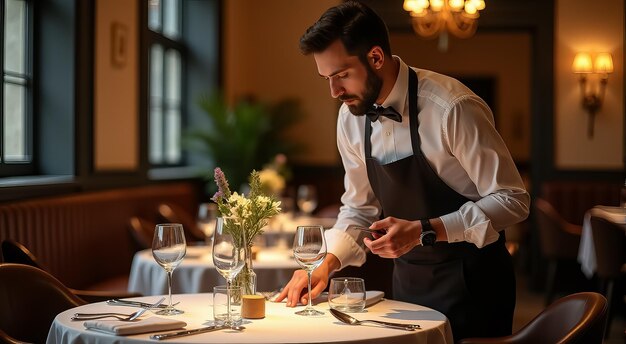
373, 84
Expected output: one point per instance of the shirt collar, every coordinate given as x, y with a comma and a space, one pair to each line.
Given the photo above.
398, 94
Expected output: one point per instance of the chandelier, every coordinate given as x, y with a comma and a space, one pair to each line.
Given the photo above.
438, 17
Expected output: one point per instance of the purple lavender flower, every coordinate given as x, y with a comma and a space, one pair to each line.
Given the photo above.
218, 195
222, 183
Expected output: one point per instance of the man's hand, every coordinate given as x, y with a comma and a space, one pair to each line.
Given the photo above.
401, 237
297, 288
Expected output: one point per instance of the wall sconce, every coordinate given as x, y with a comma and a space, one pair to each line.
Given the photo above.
592, 99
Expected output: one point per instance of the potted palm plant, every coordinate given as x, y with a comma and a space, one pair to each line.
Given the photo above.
246, 136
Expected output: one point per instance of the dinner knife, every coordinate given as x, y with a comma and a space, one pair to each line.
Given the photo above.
161, 336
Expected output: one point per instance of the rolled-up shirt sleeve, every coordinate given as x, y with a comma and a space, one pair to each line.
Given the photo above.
502, 198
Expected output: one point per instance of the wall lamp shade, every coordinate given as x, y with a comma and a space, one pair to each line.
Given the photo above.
592, 95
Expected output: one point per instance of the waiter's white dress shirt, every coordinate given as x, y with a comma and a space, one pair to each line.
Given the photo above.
461, 144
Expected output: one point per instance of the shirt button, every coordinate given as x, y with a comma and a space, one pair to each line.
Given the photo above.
388, 133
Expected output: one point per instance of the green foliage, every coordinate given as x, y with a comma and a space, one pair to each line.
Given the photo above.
244, 137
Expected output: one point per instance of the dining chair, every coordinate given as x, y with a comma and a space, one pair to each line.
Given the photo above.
31, 298
609, 241
576, 318
15, 252
559, 241
173, 213
142, 231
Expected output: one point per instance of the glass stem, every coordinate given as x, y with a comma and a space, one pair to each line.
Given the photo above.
229, 282
169, 286
309, 285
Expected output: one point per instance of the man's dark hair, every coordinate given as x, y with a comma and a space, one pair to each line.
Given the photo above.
357, 26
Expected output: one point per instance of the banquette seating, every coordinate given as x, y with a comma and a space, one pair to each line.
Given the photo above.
84, 239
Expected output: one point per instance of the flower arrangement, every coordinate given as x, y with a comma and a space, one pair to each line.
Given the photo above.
275, 175
246, 216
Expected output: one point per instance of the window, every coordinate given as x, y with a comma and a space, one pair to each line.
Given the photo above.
165, 59
16, 134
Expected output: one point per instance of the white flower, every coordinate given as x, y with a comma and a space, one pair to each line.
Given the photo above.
272, 180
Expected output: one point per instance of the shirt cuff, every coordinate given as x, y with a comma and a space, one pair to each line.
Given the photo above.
469, 224
454, 226
343, 246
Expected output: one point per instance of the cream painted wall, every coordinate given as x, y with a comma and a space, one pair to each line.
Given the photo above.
116, 133
262, 58
593, 26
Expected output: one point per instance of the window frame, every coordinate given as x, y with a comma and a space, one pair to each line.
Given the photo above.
10, 169
151, 38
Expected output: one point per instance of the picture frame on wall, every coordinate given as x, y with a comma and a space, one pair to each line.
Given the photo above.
119, 44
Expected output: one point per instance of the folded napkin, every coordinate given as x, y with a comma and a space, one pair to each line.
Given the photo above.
124, 328
371, 297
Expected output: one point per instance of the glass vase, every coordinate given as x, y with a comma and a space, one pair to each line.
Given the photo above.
246, 278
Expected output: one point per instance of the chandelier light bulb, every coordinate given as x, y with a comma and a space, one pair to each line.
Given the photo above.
480, 4
470, 8
422, 3
456, 5
409, 5
438, 18
436, 5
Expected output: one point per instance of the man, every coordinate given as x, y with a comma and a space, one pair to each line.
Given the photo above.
437, 171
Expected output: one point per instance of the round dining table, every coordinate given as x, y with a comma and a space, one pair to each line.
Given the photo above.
196, 274
280, 324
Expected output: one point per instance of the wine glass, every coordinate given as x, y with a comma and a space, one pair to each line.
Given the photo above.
307, 199
207, 213
309, 250
228, 258
168, 249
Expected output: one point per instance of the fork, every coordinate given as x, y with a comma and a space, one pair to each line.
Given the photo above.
119, 316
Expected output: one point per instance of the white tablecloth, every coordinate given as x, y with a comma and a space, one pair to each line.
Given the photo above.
586, 250
197, 274
280, 325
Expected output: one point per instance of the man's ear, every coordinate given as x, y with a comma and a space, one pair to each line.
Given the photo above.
376, 57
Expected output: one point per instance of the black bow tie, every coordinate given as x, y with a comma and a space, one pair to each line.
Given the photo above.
388, 112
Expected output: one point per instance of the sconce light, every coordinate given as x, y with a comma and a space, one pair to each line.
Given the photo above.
592, 99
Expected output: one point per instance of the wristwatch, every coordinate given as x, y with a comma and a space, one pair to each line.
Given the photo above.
428, 236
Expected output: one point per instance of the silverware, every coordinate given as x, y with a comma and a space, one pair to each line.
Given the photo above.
365, 229
118, 302
119, 316
270, 295
161, 336
350, 320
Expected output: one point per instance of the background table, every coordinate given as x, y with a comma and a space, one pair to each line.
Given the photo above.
280, 325
197, 274
586, 250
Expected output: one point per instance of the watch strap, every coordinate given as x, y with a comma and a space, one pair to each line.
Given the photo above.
426, 226
428, 237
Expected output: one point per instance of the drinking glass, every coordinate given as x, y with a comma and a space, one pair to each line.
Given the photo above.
347, 294
309, 250
168, 249
228, 258
307, 199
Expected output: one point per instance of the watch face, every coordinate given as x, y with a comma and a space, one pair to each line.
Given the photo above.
428, 238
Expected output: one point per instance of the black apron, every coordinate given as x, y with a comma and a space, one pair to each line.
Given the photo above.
474, 288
